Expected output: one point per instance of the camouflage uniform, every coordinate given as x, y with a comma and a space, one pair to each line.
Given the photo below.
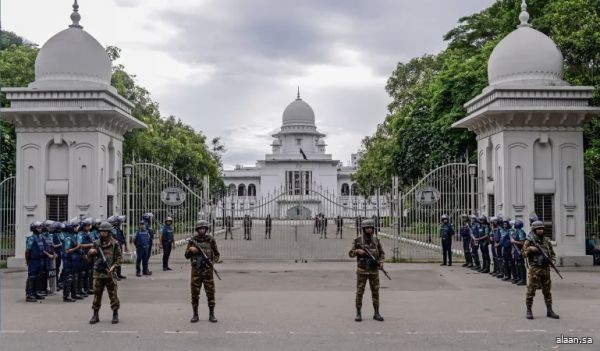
539, 271
367, 270
202, 273
114, 257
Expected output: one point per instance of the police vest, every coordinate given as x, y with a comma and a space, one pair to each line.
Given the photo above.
142, 238
505, 235
167, 233
446, 231
35, 246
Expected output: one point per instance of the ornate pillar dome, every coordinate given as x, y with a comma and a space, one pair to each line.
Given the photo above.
298, 113
526, 57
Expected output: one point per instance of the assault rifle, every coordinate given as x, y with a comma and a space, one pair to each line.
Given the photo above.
543, 253
105, 262
205, 258
373, 258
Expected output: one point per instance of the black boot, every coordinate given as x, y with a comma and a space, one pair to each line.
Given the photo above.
529, 313
376, 315
195, 317
29, 289
95, 319
550, 313
523, 280
115, 318
211, 314
358, 317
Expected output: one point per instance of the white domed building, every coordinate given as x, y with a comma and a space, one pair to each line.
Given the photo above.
297, 165
529, 127
70, 124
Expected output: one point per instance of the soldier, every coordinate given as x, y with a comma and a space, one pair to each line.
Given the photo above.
505, 236
446, 234
368, 269
268, 226
339, 223
202, 252
517, 240
228, 226
475, 227
494, 229
117, 234
539, 268
34, 256
484, 243
167, 240
142, 242
105, 265
85, 242
465, 235
247, 223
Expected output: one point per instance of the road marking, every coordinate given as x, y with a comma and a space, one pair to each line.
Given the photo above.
63, 331
119, 332
180, 332
473, 331
12, 331
575, 330
414, 333
243, 332
530, 331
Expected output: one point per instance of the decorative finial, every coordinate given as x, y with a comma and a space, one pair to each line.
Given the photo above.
75, 16
524, 16
298, 97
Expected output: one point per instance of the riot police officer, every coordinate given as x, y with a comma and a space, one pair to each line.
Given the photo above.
118, 235
167, 241
465, 235
517, 240
142, 242
484, 243
202, 252
34, 255
71, 261
368, 267
475, 227
446, 234
493, 231
268, 226
505, 236
85, 241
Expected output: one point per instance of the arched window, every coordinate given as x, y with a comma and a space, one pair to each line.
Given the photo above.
354, 189
345, 189
241, 190
232, 189
251, 190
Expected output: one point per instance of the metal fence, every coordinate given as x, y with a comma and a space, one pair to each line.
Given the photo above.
7, 218
592, 216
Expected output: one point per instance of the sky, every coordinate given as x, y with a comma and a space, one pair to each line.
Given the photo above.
230, 67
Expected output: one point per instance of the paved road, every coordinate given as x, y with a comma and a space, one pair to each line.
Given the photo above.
307, 306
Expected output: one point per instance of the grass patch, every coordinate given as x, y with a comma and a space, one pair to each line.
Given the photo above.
2, 265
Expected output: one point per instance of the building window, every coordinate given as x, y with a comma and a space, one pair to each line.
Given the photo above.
544, 208
232, 189
251, 190
57, 207
345, 189
109, 206
491, 205
354, 189
298, 182
241, 190
299, 141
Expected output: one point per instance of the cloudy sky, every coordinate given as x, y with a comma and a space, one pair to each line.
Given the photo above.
230, 67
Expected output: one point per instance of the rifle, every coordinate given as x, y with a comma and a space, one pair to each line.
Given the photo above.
105, 262
205, 258
373, 258
543, 253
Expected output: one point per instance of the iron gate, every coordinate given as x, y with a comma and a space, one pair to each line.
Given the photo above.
450, 189
7, 218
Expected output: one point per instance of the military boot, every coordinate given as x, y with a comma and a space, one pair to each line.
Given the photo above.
195, 317
550, 313
529, 313
358, 317
211, 314
115, 317
95, 318
376, 315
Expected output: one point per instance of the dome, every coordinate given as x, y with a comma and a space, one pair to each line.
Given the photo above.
276, 142
526, 56
321, 142
298, 112
73, 57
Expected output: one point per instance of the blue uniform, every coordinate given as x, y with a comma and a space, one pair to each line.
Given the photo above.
85, 276
465, 235
71, 264
143, 245
446, 234
484, 245
167, 241
34, 254
475, 228
505, 236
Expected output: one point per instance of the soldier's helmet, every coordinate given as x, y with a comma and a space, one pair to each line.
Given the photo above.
105, 226
56, 226
483, 219
35, 225
518, 224
444, 216
537, 225
169, 219
534, 217
367, 223
201, 224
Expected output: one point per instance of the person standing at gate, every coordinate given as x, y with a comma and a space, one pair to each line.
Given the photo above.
358, 224
446, 234
339, 223
149, 219
202, 252
105, 265
167, 241
323, 226
247, 223
539, 268
34, 256
465, 235
367, 267
268, 226
475, 234
228, 226
142, 242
